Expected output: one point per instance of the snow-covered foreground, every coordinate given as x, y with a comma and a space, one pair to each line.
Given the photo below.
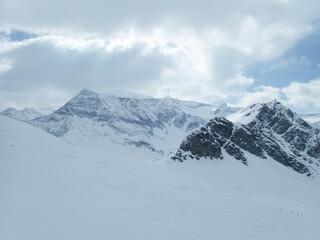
53, 190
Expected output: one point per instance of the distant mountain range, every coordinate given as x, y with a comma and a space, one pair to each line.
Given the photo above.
197, 130
125, 118
24, 114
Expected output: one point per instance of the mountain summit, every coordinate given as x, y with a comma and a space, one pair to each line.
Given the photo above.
267, 130
264, 130
125, 118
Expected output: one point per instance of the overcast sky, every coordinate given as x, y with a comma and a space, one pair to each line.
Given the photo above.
232, 51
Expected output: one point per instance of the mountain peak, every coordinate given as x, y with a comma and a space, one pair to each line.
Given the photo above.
113, 93
24, 114
124, 117
275, 104
9, 110
263, 129
86, 91
224, 110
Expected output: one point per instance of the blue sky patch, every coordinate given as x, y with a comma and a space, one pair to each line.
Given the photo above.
300, 63
16, 35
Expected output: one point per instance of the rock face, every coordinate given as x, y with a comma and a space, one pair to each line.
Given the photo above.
124, 118
273, 131
220, 134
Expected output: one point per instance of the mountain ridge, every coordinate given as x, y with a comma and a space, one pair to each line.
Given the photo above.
142, 121
265, 130
24, 114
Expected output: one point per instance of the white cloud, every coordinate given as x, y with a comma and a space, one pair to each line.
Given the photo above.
47, 96
239, 82
192, 50
105, 16
5, 65
300, 96
260, 94
303, 95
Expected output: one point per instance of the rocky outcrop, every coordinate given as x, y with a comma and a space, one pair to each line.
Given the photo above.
218, 135
274, 131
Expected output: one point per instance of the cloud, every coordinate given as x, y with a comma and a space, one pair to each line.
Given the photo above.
97, 15
5, 65
303, 94
71, 64
188, 49
300, 96
156, 62
259, 94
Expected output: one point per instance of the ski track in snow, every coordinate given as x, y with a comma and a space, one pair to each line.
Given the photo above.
53, 190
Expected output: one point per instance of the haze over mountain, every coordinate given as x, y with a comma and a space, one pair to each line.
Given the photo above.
24, 114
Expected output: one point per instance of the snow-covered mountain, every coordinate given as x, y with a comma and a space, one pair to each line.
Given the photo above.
54, 190
268, 131
24, 114
125, 118
224, 110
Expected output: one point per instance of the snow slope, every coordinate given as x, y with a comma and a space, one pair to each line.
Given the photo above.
53, 190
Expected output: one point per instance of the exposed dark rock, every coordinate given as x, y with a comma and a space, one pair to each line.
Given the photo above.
248, 141
143, 144
273, 118
236, 152
202, 144
275, 131
220, 127
314, 150
298, 138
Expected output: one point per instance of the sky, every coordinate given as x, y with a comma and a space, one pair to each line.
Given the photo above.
235, 52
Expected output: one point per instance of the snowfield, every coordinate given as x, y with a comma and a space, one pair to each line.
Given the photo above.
51, 190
